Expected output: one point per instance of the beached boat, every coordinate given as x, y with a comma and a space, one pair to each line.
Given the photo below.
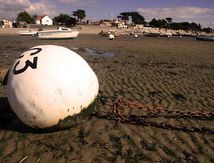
205, 38
28, 32
60, 33
152, 34
165, 34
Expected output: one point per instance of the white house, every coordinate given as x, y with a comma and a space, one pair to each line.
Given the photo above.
44, 20
7, 24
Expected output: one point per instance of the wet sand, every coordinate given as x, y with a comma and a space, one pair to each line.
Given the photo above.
174, 73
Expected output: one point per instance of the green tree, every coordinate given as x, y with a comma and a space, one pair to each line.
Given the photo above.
208, 30
175, 26
24, 16
61, 19
185, 25
169, 20
153, 22
64, 19
195, 27
160, 23
137, 18
71, 21
80, 14
124, 16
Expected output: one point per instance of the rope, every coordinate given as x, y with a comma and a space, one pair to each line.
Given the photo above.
3, 76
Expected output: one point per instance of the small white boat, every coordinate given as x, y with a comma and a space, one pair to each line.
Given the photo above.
60, 33
28, 32
165, 34
152, 34
205, 37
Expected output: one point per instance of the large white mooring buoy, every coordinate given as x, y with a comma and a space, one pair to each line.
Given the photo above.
48, 83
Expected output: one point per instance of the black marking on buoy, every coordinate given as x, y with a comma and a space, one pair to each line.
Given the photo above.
28, 63
38, 50
22, 55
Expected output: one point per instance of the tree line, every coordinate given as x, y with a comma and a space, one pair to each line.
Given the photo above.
137, 18
167, 23
162, 23
61, 19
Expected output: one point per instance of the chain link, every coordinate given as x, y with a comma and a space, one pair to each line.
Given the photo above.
119, 105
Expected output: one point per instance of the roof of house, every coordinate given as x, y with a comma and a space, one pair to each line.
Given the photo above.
40, 17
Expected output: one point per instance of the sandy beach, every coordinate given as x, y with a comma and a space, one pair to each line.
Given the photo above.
173, 73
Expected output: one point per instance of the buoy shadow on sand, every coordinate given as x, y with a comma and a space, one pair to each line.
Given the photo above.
9, 121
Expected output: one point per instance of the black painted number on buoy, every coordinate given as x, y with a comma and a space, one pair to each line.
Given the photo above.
28, 63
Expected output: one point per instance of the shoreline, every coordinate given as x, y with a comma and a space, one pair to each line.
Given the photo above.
85, 29
96, 29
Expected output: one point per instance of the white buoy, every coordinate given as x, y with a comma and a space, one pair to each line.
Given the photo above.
111, 37
48, 83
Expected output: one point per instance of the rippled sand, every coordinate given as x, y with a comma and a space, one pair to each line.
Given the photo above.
174, 73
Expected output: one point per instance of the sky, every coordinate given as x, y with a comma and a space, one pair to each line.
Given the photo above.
199, 11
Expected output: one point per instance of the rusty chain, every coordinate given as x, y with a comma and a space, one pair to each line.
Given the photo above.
119, 105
